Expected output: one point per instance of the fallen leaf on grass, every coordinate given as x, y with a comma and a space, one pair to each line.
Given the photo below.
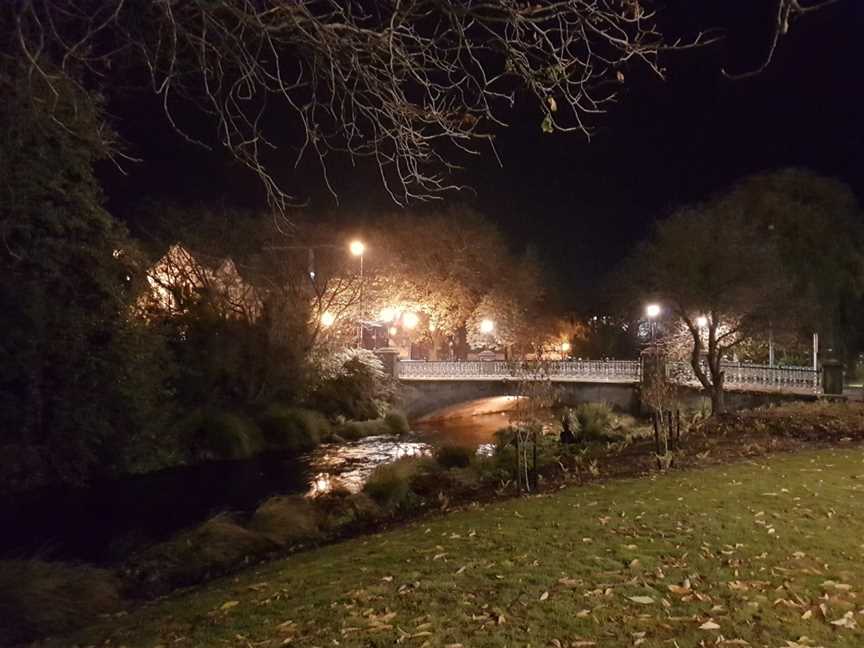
544, 596
709, 625
642, 600
846, 621
227, 605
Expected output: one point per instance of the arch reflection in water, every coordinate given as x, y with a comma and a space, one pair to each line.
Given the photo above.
348, 466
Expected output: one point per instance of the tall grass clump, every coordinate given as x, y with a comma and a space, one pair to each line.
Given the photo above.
293, 429
596, 421
390, 485
39, 598
214, 434
397, 422
454, 456
213, 548
286, 520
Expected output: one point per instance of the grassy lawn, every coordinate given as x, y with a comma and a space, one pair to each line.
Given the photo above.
761, 553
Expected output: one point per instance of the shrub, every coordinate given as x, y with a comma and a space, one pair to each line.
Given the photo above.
286, 520
454, 456
215, 547
365, 508
397, 422
292, 429
390, 485
220, 435
38, 598
354, 430
352, 384
595, 421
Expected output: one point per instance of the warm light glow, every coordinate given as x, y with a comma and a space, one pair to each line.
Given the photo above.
393, 330
487, 326
410, 320
327, 319
357, 248
652, 310
565, 346
433, 327
387, 314
701, 321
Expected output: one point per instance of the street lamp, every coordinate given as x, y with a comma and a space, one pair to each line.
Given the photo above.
410, 320
357, 249
565, 347
327, 319
701, 321
652, 311
487, 326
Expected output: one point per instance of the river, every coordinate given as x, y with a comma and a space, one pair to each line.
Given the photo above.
104, 521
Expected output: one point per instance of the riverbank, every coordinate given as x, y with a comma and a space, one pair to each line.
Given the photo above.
763, 552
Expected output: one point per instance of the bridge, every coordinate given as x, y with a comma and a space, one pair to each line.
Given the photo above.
430, 386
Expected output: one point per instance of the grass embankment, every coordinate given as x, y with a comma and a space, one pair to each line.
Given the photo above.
760, 553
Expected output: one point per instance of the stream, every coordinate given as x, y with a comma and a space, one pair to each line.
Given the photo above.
102, 522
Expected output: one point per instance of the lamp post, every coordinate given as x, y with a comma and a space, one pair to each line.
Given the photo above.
652, 311
357, 249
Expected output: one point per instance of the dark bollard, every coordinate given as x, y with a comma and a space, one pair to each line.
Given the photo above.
832, 377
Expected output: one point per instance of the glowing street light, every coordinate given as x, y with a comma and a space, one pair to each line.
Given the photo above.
701, 321
357, 248
410, 320
565, 347
652, 311
487, 326
393, 330
387, 314
327, 319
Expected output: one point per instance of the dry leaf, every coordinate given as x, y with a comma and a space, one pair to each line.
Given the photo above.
227, 605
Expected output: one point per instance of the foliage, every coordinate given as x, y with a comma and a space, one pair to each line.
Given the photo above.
390, 484
38, 598
80, 381
351, 383
286, 520
214, 434
454, 456
292, 429
397, 422
595, 421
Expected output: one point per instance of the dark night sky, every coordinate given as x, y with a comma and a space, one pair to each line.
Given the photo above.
582, 204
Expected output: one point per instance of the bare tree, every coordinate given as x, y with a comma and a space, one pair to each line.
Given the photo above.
409, 83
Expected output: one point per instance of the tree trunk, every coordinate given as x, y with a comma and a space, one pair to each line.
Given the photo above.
718, 400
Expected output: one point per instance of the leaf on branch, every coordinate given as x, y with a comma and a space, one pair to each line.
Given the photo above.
547, 126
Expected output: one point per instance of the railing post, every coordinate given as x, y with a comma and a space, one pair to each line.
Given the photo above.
390, 359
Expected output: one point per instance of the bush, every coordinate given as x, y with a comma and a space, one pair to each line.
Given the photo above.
292, 429
353, 384
215, 547
286, 520
217, 435
390, 485
397, 422
454, 456
38, 598
595, 421
354, 430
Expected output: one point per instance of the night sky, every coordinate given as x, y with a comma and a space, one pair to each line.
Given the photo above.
584, 204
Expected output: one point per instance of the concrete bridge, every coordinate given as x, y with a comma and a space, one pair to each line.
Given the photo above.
429, 387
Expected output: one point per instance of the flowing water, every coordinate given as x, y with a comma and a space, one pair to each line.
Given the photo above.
103, 521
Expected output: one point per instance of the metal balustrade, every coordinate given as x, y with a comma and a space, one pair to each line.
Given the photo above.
610, 370
736, 374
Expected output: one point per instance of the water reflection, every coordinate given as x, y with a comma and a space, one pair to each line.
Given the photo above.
349, 465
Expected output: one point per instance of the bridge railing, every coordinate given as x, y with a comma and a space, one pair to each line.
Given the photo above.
736, 374
617, 370
739, 374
